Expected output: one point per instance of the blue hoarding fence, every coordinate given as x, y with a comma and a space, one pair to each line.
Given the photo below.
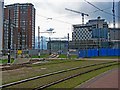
102, 52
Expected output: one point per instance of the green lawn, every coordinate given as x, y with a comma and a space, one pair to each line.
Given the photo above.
65, 56
5, 61
73, 56
34, 70
41, 56
62, 56
49, 79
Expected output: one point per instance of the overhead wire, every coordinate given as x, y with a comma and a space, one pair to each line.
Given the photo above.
54, 19
98, 9
101, 9
74, 14
87, 12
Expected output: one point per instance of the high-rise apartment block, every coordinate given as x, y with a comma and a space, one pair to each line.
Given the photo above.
1, 23
22, 25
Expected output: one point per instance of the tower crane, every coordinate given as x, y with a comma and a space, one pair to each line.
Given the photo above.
113, 10
82, 14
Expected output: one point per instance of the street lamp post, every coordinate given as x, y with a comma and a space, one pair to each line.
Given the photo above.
60, 47
9, 38
68, 47
86, 47
50, 46
48, 31
98, 36
38, 41
42, 42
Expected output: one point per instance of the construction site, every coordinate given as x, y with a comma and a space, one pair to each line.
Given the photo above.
85, 57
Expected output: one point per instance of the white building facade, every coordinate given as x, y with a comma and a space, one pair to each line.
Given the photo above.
81, 33
1, 23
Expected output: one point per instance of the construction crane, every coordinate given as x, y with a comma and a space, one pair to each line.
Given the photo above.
113, 10
82, 14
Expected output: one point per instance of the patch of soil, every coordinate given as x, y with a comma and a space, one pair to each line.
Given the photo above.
17, 66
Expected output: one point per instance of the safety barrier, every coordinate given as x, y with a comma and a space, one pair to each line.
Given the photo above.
99, 52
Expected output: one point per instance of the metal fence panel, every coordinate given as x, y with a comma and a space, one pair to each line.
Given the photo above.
102, 52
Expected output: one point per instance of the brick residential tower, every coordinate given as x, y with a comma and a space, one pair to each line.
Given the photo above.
22, 18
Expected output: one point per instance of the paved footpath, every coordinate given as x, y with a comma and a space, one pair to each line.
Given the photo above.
21, 60
108, 79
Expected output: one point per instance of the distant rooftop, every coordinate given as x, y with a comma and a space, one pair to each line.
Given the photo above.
19, 4
96, 20
81, 26
114, 28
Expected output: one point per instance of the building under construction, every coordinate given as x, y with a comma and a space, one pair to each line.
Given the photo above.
90, 35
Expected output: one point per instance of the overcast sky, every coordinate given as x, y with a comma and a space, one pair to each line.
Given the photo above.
62, 20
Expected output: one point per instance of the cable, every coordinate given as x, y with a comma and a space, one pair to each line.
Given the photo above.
88, 12
62, 21
62, 16
54, 19
100, 9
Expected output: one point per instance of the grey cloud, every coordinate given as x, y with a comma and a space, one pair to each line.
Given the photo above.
59, 8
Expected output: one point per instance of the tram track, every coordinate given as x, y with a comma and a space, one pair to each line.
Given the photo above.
70, 77
57, 73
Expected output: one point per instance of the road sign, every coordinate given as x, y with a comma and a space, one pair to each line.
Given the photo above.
19, 51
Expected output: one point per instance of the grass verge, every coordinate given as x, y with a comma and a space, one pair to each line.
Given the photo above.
52, 78
27, 72
62, 56
41, 56
5, 61
65, 56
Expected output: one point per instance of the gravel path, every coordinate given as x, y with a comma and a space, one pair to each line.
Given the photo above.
21, 60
